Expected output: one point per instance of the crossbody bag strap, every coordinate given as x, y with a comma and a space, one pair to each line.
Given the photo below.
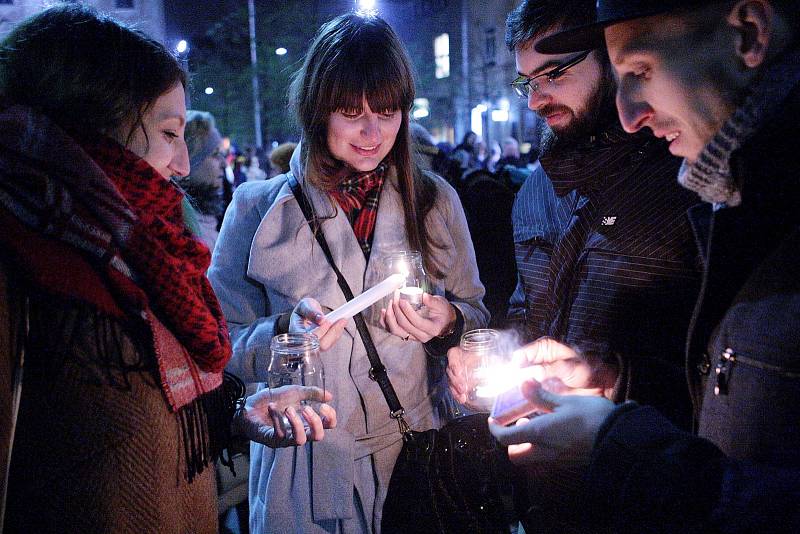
377, 370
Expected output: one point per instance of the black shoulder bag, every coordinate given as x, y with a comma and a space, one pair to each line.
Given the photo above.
451, 480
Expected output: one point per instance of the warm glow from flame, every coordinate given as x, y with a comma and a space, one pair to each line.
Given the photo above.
494, 380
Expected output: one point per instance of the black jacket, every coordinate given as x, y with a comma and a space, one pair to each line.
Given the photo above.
742, 474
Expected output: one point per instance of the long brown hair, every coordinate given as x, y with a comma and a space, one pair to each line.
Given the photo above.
353, 57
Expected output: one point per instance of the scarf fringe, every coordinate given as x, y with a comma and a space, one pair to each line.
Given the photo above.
205, 428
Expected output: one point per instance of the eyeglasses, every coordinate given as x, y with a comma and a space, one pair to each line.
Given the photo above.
524, 85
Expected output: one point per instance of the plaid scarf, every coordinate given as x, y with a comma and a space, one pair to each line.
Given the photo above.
358, 195
106, 229
124, 218
710, 175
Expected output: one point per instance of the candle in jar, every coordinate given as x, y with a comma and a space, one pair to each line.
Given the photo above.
412, 295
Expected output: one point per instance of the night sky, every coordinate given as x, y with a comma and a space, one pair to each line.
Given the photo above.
190, 19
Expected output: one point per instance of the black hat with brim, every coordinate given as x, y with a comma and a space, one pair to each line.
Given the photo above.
590, 36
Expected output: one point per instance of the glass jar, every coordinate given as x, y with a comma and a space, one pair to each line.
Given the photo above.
409, 264
295, 360
480, 353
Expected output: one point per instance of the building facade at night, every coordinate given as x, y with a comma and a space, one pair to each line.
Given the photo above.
147, 15
463, 68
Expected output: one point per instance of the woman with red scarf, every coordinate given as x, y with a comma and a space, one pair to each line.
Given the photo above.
355, 169
112, 343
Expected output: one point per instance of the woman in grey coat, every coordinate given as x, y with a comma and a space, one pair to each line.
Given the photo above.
352, 96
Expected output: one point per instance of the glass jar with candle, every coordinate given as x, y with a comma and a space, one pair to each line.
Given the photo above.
409, 264
295, 360
481, 358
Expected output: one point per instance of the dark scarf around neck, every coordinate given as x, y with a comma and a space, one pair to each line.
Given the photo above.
587, 165
710, 175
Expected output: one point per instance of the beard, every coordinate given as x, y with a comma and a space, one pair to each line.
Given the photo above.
597, 112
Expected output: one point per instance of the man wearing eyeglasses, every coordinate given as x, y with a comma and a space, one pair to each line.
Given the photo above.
605, 254
606, 258
606, 265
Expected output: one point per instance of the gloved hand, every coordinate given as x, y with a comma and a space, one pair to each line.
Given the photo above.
269, 416
565, 436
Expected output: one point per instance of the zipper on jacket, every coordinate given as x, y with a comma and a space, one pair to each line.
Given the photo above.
729, 358
723, 371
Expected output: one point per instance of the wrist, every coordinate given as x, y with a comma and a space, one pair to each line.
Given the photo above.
450, 328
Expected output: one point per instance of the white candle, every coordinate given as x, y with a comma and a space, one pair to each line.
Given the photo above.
413, 295
367, 298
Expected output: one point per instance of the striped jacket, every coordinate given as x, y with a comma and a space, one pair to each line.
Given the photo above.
607, 261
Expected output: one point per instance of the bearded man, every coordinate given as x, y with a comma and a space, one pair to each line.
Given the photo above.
720, 81
604, 250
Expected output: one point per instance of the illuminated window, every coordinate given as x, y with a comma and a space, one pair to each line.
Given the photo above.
441, 52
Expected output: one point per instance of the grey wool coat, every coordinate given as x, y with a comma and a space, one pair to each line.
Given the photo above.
266, 260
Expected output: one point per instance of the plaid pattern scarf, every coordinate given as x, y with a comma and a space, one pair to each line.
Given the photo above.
120, 215
96, 224
358, 195
710, 175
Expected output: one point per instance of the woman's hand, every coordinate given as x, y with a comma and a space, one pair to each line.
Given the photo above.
402, 320
307, 316
456, 374
269, 416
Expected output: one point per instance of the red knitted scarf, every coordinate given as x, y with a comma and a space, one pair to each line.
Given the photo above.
170, 262
98, 225
358, 195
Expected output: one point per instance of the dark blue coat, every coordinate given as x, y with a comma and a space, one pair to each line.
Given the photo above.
607, 261
742, 474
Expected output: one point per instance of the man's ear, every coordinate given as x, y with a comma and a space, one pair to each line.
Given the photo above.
753, 23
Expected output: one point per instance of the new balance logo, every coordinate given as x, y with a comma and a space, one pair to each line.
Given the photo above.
609, 221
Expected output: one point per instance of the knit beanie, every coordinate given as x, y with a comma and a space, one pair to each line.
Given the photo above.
202, 136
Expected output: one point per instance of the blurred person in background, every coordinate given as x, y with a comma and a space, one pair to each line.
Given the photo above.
253, 170
490, 163
511, 155
426, 150
466, 153
203, 185
279, 158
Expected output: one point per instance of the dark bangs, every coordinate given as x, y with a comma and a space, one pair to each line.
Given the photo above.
352, 57
367, 67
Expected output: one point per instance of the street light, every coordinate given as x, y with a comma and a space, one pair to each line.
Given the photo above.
209, 90
366, 5
182, 46
280, 51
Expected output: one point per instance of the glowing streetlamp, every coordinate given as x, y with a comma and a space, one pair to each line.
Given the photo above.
209, 90
281, 51
182, 46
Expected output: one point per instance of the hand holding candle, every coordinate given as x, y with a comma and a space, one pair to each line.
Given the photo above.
307, 317
402, 320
